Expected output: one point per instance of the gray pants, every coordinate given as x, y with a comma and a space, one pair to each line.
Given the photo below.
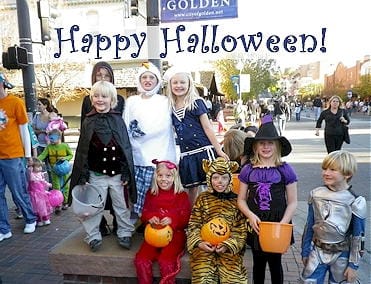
112, 185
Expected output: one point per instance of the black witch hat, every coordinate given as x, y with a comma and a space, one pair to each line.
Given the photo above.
267, 131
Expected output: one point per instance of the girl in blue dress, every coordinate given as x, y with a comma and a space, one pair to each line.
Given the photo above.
268, 192
194, 131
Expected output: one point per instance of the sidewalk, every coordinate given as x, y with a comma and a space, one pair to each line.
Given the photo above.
24, 258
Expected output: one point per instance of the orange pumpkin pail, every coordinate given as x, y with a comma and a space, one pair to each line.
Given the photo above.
215, 231
158, 236
275, 237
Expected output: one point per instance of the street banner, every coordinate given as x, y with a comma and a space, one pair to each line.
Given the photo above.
196, 10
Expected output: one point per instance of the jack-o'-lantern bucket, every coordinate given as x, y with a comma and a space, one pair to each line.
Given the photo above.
157, 235
235, 183
215, 231
275, 237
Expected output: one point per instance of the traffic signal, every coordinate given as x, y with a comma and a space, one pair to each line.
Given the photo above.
46, 14
15, 58
134, 7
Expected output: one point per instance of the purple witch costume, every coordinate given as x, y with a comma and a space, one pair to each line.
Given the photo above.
267, 188
267, 185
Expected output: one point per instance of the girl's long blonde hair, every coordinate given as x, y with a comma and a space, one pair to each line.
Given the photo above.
190, 97
178, 188
255, 159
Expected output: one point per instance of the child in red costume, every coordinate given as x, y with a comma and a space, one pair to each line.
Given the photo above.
165, 204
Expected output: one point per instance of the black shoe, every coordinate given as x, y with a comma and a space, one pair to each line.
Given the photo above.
125, 242
95, 245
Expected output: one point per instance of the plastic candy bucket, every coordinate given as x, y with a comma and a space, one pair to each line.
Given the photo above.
55, 198
275, 237
62, 168
86, 200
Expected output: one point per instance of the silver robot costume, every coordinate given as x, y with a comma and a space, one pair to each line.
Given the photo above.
333, 212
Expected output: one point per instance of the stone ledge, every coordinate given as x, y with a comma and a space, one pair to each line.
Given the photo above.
72, 256
111, 263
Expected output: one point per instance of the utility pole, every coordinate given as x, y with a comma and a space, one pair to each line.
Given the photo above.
28, 73
153, 22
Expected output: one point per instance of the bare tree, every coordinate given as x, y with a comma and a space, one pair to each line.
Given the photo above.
58, 81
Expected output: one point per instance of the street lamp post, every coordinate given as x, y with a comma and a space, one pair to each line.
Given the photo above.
153, 22
28, 73
239, 67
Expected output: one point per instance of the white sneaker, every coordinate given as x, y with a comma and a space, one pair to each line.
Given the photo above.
40, 224
5, 236
47, 222
30, 228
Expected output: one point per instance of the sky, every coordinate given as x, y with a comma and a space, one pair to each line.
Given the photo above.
347, 37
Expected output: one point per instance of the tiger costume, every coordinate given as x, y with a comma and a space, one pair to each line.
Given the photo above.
213, 267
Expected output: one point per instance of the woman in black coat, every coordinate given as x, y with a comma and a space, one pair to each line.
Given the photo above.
335, 118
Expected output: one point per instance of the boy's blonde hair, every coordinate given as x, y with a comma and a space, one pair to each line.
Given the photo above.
191, 95
178, 188
106, 89
255, 159
342, 161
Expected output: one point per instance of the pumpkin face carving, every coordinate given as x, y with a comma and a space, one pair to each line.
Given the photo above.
158, 236
215, 231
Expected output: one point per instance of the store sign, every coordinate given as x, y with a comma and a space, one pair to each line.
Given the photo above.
196, 10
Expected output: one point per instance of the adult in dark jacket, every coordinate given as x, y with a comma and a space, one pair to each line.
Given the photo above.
335, 117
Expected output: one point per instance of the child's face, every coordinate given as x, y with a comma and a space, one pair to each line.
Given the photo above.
101, 103
165, 178
54, 138
334, 179
148, 81
179, 84
220, 182
265, 148
37, 169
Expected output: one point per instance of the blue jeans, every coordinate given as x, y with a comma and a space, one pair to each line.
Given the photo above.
13, 174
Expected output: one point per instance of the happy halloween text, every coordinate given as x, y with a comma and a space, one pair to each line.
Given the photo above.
207, 41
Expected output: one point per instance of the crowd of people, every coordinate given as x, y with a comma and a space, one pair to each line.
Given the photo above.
127, 152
